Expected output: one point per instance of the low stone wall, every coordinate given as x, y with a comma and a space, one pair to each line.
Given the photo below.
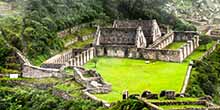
201, 102
76, 39
92, 81
149, 105
30, 71
184, 36
71, 30
94, 98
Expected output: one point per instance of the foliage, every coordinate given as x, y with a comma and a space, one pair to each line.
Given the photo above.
129, 104
23, 98
205, 77
205, 40
144, 9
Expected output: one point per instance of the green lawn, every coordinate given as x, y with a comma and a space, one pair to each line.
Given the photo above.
175, 45
136, 76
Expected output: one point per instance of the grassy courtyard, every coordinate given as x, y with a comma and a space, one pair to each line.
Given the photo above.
137, 76
175, 45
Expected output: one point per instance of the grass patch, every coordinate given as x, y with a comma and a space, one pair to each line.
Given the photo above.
136, 76
81, 32
81, 44
199, 52
70, 87
69, 70
168, 107
175, 45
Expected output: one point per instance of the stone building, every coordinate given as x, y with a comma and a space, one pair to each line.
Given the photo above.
133, 37
150, 28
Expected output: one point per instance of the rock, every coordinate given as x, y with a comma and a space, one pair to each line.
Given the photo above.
147, 62
207, 98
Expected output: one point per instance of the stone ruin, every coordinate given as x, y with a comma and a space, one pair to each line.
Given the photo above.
143, 39
91, 80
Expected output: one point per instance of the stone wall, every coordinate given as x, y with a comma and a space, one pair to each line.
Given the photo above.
120, 36
189, 47
81, 58
162, 55
59, 60
184, 36
30, 71
163, 41
118, 51
92, 81
155, 51
150, 28
69, 31
76, 39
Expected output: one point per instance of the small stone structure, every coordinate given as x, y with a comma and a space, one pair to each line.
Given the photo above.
91, 80
30, 71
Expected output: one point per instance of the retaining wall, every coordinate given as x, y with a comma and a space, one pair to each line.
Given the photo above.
163, 41
69, 31
30, 71
76, 39
162, 55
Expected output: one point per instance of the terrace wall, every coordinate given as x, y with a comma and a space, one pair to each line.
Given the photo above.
76, 39
82, 58
71, 30
30, 71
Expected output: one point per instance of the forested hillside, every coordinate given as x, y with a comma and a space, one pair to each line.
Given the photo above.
205, 77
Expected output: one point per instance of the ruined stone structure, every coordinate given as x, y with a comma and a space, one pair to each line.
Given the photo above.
74, 57
143, 39
92, 81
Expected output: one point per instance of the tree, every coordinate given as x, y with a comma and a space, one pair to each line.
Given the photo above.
205, 40
95, 61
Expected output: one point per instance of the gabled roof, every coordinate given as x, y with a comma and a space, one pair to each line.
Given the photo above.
146, 25
117, 36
